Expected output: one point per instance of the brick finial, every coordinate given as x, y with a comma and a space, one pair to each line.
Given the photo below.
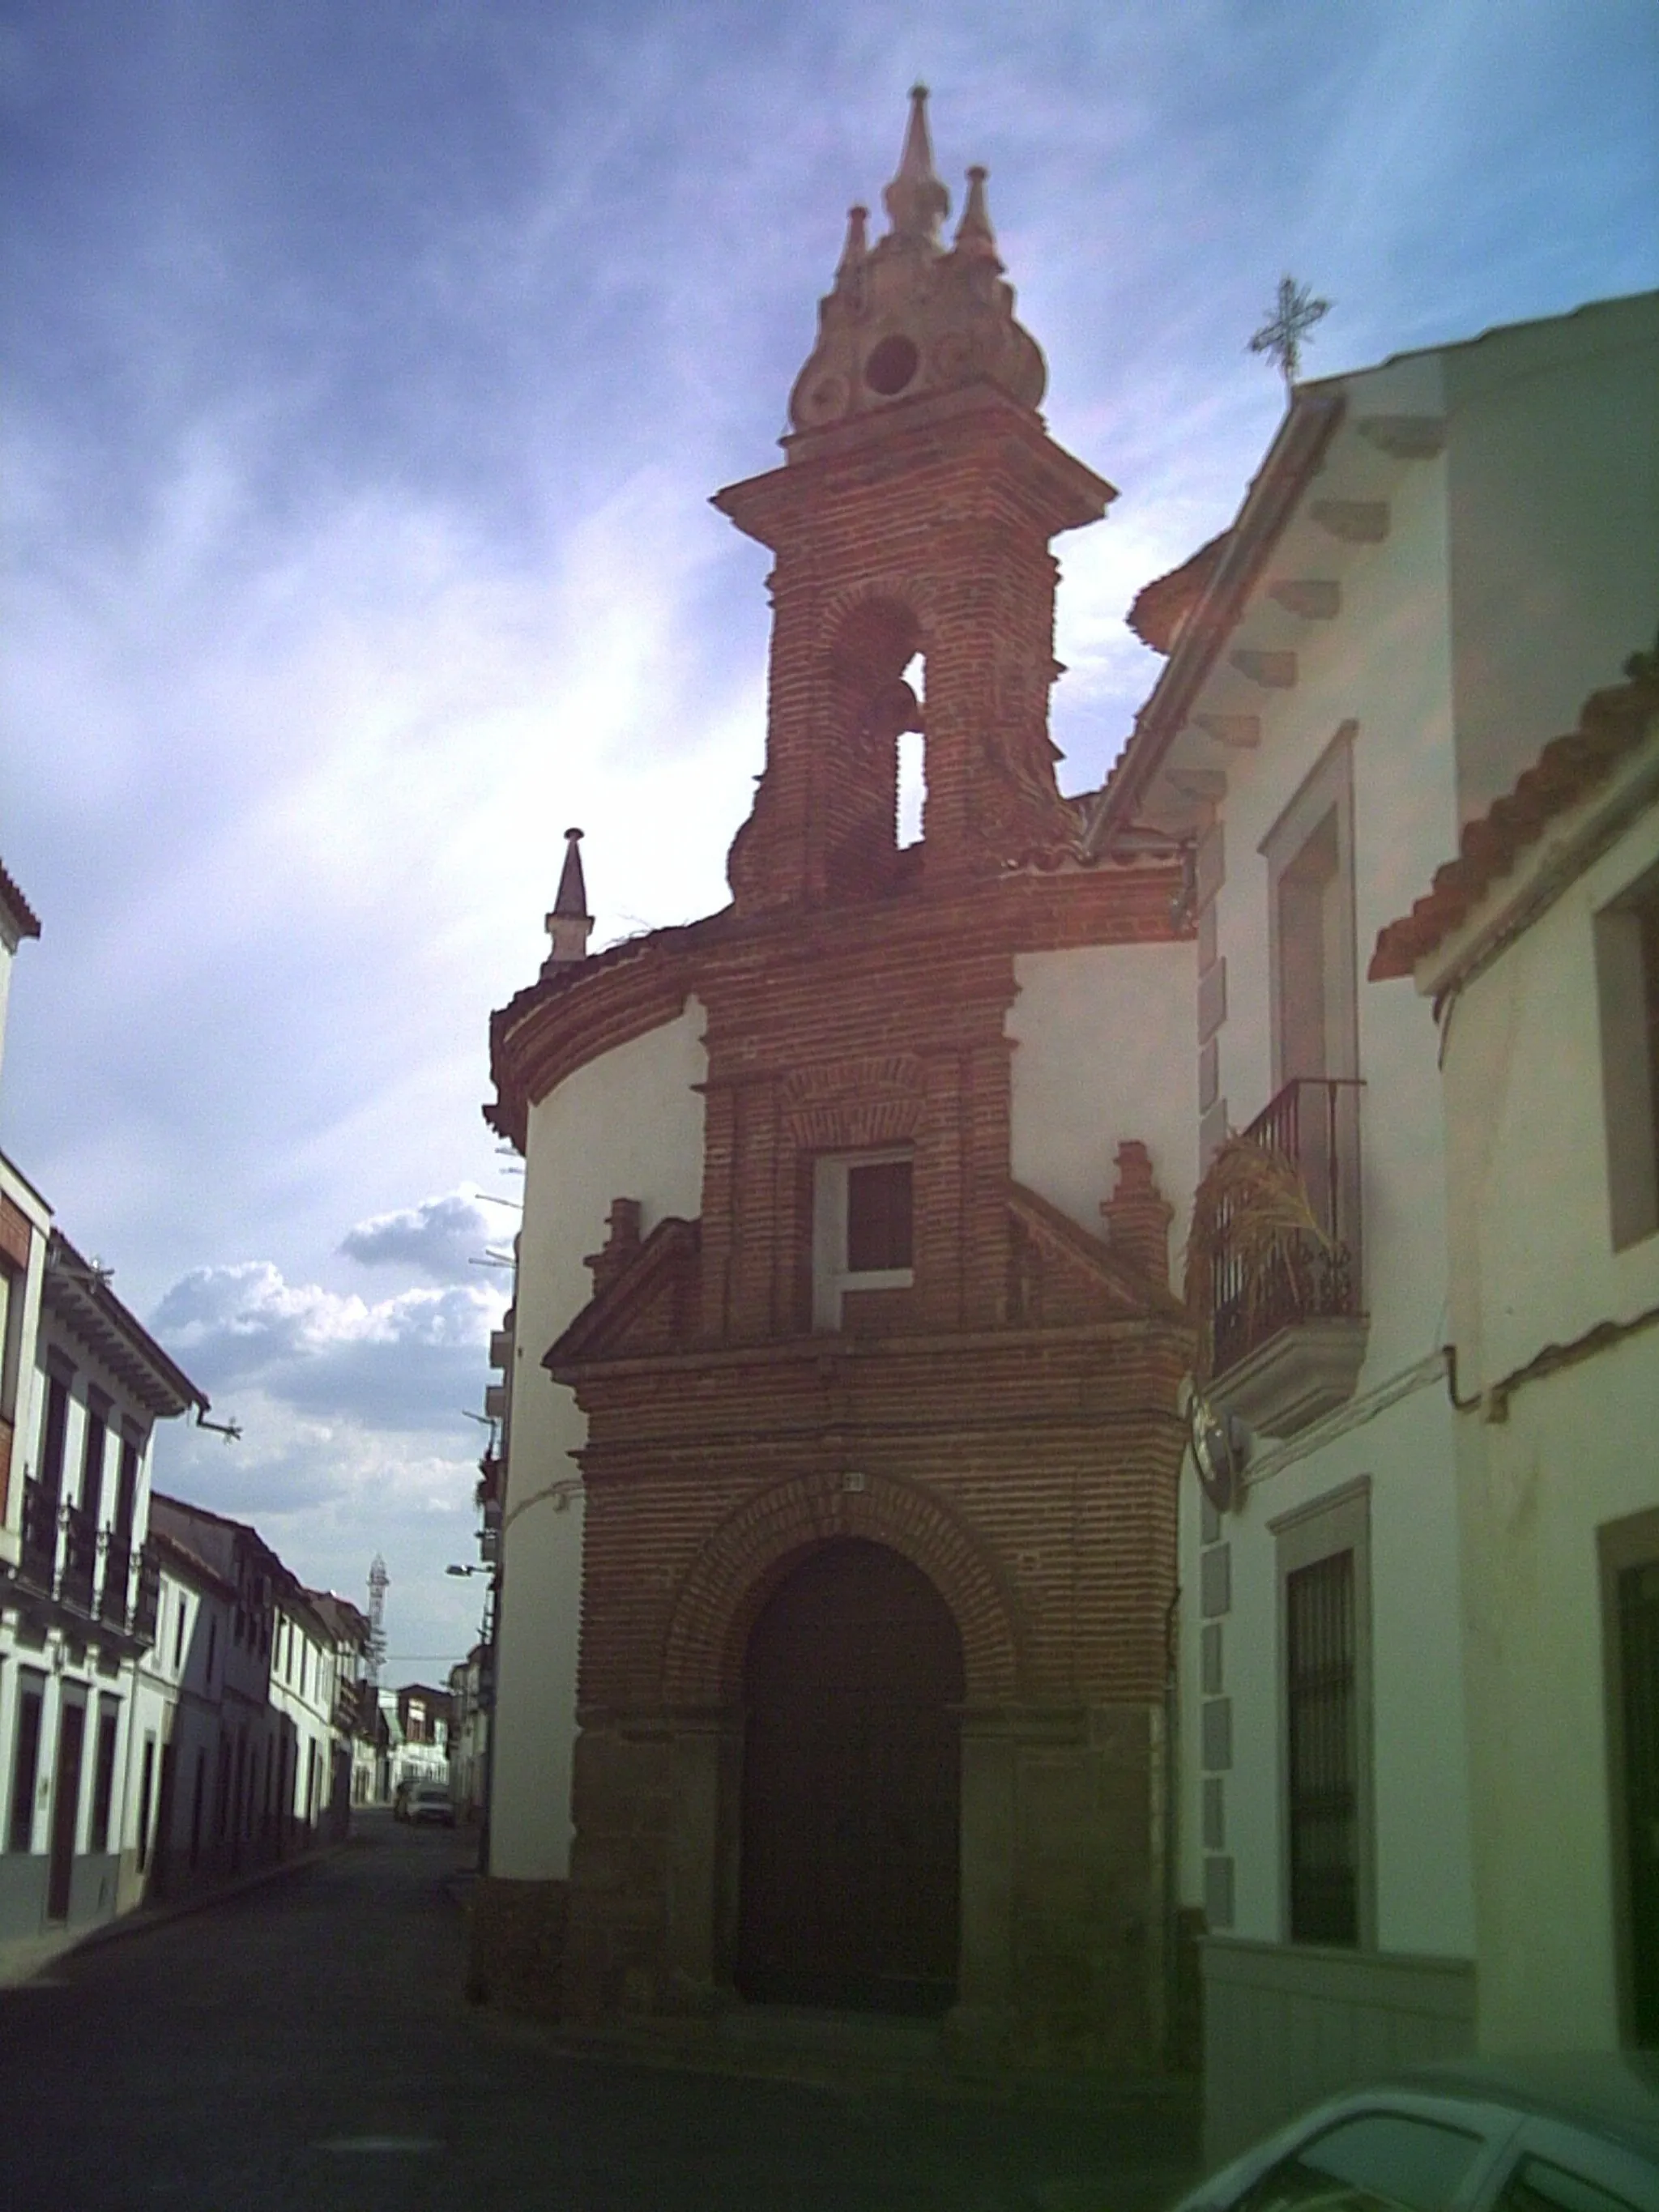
620, 1245
1136, 1214
569, 925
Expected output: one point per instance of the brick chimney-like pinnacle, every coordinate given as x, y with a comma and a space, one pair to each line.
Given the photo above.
1138, 1215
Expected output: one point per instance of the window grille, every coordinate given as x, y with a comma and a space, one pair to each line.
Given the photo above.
1321, 1682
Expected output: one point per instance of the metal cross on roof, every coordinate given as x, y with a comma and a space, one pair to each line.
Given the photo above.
1282, 334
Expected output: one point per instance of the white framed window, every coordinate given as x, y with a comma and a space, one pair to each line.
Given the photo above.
1627, 987
862, 1228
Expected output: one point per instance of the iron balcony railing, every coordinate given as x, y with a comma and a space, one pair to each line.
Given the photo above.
117, 1567
1314, 1124
59, 1559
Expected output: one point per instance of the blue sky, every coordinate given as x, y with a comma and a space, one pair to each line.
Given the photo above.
369, 367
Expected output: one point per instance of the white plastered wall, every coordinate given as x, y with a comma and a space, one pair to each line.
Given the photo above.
1530, 1224
628, 1125
1104, 1038
1382, 664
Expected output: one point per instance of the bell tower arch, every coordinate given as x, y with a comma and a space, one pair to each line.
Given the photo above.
914, 514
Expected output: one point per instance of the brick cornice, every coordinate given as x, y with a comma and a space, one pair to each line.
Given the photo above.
575, 1016
945, 432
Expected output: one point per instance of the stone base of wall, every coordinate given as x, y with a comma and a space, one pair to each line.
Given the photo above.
1062, 1964
516, 1943
1284, 2025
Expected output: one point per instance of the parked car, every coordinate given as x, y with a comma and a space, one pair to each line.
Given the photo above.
1578, 2133
431, 1801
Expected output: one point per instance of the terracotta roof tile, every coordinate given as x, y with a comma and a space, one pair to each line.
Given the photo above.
1612, 724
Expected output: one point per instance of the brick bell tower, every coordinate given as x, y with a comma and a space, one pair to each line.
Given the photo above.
914, 585
874, 1399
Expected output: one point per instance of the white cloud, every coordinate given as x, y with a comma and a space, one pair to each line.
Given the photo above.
408, 1361
443, 1236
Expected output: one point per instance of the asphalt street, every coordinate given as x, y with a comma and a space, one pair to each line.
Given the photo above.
308, 2045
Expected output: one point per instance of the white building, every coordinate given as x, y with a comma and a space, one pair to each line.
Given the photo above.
417, 1720
1539, 948
352, 1718
177, 1730
469, 1733
304, 1672
1439, 558
78, 1606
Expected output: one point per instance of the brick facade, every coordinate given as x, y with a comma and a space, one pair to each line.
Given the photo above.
1007, 1420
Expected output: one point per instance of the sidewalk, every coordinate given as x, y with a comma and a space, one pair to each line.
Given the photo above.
23, 1959
852, 2052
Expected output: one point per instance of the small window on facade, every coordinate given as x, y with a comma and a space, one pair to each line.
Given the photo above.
53, 1432
126, 1490
877, 1217
93, 1455
1323, 1812
861, 1228
1627, 987
179, 1632
13, 1283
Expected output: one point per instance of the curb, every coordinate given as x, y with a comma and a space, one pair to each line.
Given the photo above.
861, 2074
146, 1916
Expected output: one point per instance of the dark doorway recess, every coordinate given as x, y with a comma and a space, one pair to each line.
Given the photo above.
850, 1885
1638, 1636
65, 1808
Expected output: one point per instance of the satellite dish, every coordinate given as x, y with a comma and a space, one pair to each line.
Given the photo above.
1221, 1451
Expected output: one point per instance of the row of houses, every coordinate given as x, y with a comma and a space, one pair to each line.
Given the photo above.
909, 1597
176, 1710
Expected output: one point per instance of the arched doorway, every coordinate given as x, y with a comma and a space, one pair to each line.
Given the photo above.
849, 1882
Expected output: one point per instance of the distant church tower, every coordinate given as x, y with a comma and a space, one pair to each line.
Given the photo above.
872, 1376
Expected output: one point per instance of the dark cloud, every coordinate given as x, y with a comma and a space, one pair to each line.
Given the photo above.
442, 1236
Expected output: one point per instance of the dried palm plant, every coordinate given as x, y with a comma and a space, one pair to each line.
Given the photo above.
1252, 1205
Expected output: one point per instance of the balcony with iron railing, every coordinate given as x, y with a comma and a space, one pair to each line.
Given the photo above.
60, 1548
1287, 1313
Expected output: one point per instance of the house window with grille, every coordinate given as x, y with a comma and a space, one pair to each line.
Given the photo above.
1325, 1700
1322, 1751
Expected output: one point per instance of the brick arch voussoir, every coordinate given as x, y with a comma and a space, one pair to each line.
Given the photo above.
914, 594
752, 1550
